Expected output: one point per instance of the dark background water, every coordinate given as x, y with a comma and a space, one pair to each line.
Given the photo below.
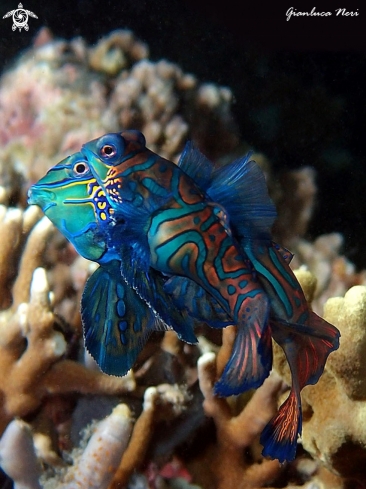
299, 85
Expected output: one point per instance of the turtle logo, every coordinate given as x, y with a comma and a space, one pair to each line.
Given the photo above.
20, 17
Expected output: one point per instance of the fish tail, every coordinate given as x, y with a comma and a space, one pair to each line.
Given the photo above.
251, 358
279, 437
306, 347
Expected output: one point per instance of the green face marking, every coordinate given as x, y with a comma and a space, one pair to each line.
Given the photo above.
72, 199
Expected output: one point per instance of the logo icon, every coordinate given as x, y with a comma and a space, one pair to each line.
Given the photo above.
20, 17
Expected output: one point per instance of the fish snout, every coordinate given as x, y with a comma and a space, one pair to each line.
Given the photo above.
42, 197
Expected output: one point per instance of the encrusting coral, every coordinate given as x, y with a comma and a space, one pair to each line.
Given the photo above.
334, 427
335, 408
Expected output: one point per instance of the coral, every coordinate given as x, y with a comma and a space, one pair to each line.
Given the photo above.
237, 428
295, 197
33, 352
161, 402
99, 460
111, 454
18, 458
335, 273
334, 428
334, 409
62, 93
235, 433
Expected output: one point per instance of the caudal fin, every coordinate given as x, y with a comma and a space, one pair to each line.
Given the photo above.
307, 348
279, 437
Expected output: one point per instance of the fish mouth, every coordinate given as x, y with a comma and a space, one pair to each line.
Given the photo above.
41, 197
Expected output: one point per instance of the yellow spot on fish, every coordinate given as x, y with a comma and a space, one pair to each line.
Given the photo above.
102, 205
103, 216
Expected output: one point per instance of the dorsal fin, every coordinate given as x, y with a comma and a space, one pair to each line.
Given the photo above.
196, 165
240, 187
284, 252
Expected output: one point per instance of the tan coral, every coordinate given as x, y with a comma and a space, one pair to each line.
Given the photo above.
334, 410
31, 347
235, 433
109, 55
161, 402
338, 408
295, 201
335, 274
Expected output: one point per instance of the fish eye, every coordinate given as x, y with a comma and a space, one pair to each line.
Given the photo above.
108, 151
80, 168
110, 148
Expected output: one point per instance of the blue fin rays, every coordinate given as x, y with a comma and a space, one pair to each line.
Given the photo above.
196, 165
251, 358
306, 348
117, 323
241, 189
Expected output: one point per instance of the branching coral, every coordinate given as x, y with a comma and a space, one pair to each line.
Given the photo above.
32, 346
95, 467
236, 433
111, 454
161, 402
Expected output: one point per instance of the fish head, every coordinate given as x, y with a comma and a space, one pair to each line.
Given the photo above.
111, 150
71, 198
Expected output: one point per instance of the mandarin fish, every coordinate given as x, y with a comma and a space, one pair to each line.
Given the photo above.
200, 237
117, 322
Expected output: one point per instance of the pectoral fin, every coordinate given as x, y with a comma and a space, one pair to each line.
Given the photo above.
117, 322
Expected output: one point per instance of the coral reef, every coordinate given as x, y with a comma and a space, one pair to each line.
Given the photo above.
339, 440
235, 433
160, 426
334, 409
62, 93
36, 367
